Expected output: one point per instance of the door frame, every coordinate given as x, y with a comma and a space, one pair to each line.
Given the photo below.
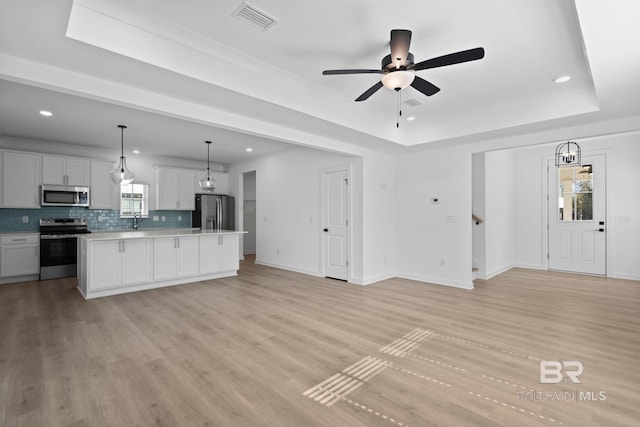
544, 165
321, 173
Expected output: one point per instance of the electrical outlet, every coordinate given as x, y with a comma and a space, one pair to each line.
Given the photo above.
156, 218
164, 218
179, 217
25, 219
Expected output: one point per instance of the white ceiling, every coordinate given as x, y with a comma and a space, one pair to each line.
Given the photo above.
178, 73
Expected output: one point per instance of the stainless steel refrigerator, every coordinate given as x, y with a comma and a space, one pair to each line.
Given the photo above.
213, 212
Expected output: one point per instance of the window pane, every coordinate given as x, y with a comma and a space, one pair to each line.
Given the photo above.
133, 200
575, 188
584, 206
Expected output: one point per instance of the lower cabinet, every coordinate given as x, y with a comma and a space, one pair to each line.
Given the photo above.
175, 257
116, 263
19, 255
109, 267
219, 253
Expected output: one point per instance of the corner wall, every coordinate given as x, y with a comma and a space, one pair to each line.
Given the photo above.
434, 239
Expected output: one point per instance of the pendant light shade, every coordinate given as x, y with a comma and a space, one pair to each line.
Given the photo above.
208, 183
121, 174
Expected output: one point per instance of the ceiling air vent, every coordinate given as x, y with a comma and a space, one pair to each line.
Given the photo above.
254, 16
412, 102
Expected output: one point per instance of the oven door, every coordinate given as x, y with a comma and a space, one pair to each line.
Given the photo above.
58, 250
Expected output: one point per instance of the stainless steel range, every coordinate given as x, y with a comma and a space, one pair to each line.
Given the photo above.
59, 246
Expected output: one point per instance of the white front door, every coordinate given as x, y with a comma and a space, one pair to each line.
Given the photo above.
335, 223
577, 223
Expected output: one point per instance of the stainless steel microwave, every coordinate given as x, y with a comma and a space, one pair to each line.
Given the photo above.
64, 195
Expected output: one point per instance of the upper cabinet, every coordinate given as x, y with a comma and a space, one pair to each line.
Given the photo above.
102, 188
175, 189
65, 171
21, 179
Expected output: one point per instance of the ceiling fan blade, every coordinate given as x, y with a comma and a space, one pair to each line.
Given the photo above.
424, 86
373, 89
400, 42
450, 59
335, 72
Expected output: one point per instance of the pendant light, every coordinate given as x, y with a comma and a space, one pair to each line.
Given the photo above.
568, 154
208, 183
121, 174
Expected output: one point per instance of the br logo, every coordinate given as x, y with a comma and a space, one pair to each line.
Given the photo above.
551, 371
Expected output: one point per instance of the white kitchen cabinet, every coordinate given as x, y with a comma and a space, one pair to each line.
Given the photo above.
21, 179
175, 189
102, 188
219, 253
114, 263
65, 171
175, 257
19, 255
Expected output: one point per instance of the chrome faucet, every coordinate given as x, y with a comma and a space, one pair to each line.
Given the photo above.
137, 219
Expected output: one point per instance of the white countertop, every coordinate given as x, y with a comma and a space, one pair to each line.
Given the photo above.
167, 232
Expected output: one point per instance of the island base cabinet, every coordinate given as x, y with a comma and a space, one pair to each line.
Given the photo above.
114, 263
219, 253
175, 257
122, 264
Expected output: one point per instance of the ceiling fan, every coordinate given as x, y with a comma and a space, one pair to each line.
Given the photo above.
398, 68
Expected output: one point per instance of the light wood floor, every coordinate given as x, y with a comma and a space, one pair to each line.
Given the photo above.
275, 348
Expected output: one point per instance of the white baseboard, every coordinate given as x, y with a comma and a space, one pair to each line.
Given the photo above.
623, 276
497, 271
371, 280
437, 281
288, 268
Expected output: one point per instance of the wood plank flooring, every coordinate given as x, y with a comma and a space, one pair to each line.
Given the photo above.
276, 348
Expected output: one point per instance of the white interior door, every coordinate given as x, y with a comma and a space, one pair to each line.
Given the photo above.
335, 224
577, 223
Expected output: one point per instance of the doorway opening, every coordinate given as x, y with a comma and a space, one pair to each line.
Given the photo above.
249, 216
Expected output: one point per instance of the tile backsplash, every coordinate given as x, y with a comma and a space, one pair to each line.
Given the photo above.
13, 220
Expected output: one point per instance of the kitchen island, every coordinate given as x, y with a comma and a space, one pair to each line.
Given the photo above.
118, 262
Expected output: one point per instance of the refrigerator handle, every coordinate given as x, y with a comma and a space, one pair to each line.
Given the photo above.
218, 213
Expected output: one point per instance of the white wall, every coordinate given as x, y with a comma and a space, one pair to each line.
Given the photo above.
434, 240
288, 229
499, 212
623, 203
379, 213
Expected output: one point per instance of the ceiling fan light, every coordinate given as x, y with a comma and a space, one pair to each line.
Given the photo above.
397, 80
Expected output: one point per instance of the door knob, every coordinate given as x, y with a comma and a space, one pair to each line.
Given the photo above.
326, 230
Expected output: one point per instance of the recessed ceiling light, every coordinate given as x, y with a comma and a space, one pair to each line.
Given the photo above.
46, 113
411, 118
135, 151
562, 79
248, 150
